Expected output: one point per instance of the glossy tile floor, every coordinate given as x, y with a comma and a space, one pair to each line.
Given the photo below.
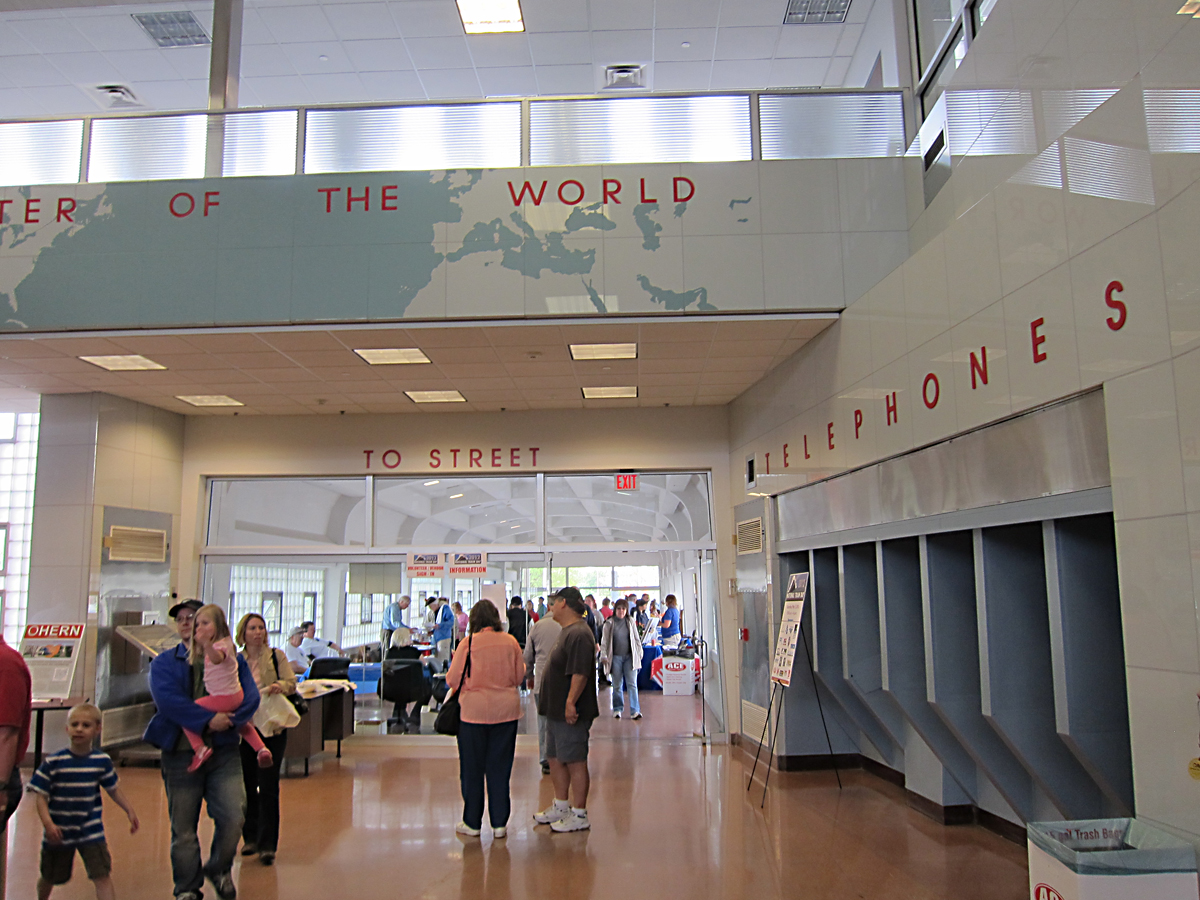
671, 817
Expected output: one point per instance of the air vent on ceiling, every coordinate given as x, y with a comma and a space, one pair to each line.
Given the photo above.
749, 536
624, 77
816, 12
125, 544
116, 96
173, 29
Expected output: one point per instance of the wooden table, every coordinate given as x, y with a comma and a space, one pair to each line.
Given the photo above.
330, 717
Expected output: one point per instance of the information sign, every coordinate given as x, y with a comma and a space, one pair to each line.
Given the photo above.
426, 565
52, 653
789, 629
468, 564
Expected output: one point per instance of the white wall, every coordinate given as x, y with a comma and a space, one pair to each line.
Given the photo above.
994, 254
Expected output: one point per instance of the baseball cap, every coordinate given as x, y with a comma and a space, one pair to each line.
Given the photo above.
193, 605
299, 629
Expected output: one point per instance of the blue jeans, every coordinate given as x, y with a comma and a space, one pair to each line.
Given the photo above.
485, 752
218, 783
622, 671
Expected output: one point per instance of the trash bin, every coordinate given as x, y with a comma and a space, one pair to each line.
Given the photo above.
1107, 859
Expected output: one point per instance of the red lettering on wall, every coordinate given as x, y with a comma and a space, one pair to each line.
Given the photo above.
385, 197
578, 199
3, 203
676, 181
495, 457
328, 192
514, 457
209, 202
611, 193
1112, 303
891, 408
191, 201
858, 420
392, 453
937, 391
979, 367
646, 199
365, 199
767, 456
1038, 339
368, 455
785, 456
435, 459
518, 199
32, 205
476, 459
454, 457
830, 432
64, 211
534, 451
806, 456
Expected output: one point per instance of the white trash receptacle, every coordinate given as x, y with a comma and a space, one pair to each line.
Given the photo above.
1107, 859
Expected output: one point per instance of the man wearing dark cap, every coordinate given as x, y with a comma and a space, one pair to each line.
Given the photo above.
567, 698
217, 784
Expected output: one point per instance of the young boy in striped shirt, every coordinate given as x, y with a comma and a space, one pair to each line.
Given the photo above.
67, 788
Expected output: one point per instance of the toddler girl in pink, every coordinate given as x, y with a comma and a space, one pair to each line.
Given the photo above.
212, 643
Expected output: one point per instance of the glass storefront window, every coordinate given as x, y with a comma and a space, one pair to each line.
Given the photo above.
434, 512
589, 509
933, 20
287, 512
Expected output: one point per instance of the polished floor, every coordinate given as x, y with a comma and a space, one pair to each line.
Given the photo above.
671, 817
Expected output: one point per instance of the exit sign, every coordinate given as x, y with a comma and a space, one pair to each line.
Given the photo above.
627, 482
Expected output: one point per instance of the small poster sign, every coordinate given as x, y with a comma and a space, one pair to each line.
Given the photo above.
52, 653
468, 564
426, 565
789, 629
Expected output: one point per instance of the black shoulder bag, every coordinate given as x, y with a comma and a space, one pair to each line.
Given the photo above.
450, 714
295, 699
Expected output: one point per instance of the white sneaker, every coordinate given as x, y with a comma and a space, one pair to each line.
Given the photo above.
551, 814
464, 828
573, 822
637, 716
499, 833
617, 714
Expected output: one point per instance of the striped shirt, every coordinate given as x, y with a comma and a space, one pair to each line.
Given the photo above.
72, 785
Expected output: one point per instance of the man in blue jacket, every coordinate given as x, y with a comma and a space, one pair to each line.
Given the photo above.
175, 684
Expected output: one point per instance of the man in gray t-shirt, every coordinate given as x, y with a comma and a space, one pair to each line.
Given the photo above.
540, 641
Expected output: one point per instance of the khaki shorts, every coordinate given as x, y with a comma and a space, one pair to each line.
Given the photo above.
57, 862
567, 743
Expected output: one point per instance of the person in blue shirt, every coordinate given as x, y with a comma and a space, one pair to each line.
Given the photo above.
443, 629
174, 683
67, 787
669, 626
393, 618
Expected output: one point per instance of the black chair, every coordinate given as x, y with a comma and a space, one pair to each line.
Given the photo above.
330, 667
404, 681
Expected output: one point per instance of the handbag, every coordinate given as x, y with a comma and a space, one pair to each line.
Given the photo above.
274, 714
298, 702
450, 715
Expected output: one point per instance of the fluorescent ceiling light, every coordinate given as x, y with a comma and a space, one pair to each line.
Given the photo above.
455, 496
431, 483
490, 16
608, 393
209, 400
130, 363
603, 351
393, 356
436, 397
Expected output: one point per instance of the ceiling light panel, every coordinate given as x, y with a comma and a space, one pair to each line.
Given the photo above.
209, 400
491, 16
609, 393
393, 356
173, 29
435, 397
816, 12
130, 363
603, 351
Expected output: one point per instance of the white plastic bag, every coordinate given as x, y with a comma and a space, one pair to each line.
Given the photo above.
275, 713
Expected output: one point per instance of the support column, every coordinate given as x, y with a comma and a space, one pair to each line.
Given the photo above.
224, 75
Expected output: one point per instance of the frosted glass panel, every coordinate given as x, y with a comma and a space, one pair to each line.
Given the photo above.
588, 509
413, 138
831, 126
639, 130
288, 512
437, 511
148, 149
40, 152
261, 143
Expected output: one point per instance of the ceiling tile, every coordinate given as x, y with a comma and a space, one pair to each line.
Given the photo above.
19, 103
686, 13
146, 65
683, 364
797, 72
560, 48
112, 32
622, 14
12, 44
746, 42
848, 40
710, 378
51, 35
740, 74
430, 337
619, 47
755, 12
85, 346
480, 395
551, 393
747, 364
345, 374
277, 376
392, 86
675, 332
268, 359
496, 383
835, 76
471, 370
266, 60
555, 15
755, 349
678, 350
342, 358
300, 340
499, 50
808, 40
562, 404
31, 71
522, 372
566, 79
440, 52
427, 18
352, 21
531, 335
280, 90
227, 342
451, 84
296, 24
190, 62
668, 44
508, 82
334, 88
670, 379
606, 368
379, 56
24, 348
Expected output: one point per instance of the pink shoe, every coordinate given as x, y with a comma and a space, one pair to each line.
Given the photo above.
265, 760
200, 758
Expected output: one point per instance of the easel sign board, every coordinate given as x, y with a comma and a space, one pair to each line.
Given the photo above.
52, 652
789, 630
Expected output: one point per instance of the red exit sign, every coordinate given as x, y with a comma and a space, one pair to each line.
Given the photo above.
627, 482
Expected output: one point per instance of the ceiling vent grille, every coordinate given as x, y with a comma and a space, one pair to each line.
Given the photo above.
619, 78
749, 536
127, 544
173, 29
816, 12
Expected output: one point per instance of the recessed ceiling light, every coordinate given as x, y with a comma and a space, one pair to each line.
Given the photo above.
515, 526
816, 12
436, 397
431, 483
130, 363
209, 400
393, 356
490, 16
609, 393
603, 351
173, 29
455, 496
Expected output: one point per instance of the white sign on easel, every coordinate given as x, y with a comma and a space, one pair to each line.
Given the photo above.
789, 629
52, 652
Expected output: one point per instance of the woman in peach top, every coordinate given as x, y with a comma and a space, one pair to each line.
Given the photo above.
491, 708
